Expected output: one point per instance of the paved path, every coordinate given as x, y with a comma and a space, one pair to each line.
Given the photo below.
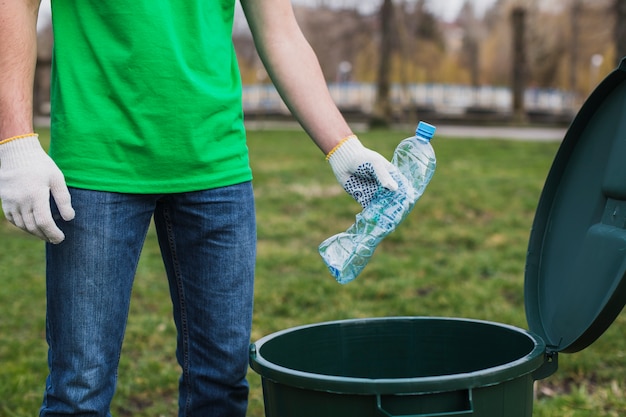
534, 133
504, 132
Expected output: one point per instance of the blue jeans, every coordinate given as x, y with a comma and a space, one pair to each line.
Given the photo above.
208, 245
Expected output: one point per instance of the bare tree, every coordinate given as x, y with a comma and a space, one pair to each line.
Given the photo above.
518, 19
547, 48
619, 34
470, 53
344, 29
382, 114
574, 43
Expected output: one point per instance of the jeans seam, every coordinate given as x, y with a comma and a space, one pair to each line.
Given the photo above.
184, 330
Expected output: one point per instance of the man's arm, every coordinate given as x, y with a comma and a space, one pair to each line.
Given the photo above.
28, 177
296, 73
18, 57
295, 70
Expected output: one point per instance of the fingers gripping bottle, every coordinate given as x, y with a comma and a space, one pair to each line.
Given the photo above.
346, 254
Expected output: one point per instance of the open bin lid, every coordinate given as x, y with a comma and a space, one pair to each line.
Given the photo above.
576, 262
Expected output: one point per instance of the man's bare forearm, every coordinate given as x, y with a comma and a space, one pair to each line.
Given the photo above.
295, 70
18, 57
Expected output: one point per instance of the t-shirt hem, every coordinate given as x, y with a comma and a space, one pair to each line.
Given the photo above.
159, 187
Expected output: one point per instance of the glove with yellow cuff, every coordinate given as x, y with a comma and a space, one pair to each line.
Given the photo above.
361, 171
28, 177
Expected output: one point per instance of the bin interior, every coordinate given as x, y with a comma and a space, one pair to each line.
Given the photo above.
399, 348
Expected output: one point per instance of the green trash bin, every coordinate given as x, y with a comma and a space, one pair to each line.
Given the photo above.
399, 366
435, 367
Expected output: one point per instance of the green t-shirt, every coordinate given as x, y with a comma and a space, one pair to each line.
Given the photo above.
146, 96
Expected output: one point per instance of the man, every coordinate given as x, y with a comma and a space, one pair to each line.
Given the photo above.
147, 122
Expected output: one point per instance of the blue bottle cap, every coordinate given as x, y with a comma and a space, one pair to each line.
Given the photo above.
425, 130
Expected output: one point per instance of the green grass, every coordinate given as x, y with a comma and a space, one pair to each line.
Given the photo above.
461, 253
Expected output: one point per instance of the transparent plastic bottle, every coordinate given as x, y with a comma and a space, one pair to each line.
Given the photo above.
347, 253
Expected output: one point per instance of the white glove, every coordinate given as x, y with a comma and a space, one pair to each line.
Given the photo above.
361, 171
28, 177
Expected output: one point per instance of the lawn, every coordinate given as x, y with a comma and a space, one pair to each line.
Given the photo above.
460, 253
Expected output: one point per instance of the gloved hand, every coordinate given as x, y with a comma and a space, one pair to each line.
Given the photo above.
27, 178
361, 171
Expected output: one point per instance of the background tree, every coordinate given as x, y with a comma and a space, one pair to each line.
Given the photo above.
619, 33
547, 47
470, 51
518, 82
381, 115
575, 14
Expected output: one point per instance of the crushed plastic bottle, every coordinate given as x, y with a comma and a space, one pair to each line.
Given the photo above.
346, 254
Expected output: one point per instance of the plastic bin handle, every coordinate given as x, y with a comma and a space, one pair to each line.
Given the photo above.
467, 412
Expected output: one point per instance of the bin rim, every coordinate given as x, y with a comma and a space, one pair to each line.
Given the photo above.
524, 365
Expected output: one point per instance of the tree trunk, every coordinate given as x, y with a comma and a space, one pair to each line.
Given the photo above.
620, 29
574, 44
381, 116
518, 18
